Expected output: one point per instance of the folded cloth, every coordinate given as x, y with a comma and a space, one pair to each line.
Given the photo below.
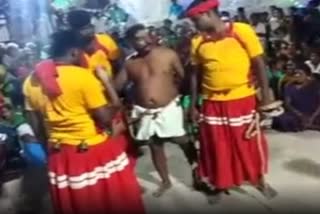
165, 122
46, 74
34, 154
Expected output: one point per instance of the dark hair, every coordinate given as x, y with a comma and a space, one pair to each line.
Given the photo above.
78, 19
132, 31
167, 21
241, 9
282, 58
62, 41
225, 13
305, 68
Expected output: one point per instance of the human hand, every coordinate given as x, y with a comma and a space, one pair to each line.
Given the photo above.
307, 122
118, 127
194, 115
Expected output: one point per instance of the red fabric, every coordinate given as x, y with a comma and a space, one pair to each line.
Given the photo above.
117, 193
128, 144
46, 73
203, 7
227, 159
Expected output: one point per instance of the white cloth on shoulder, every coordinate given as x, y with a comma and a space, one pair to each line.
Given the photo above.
166, 122
25, 129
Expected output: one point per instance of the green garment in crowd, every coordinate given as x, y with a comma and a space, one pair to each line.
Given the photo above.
278, 75
186, 105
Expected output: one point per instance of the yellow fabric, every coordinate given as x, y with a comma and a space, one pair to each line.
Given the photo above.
67, 117
226, 63
100, 57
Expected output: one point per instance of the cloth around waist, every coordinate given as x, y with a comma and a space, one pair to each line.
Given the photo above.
150, 111
226, 94
94, 140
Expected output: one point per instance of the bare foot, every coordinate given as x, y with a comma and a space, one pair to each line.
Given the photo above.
267, 191
164, 187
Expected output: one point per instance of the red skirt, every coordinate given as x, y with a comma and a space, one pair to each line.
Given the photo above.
99, 180
128, 144
227, 158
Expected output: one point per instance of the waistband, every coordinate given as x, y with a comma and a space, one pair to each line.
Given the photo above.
76, 142
146, 111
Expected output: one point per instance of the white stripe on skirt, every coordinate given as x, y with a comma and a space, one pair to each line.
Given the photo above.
231, 121
90, 178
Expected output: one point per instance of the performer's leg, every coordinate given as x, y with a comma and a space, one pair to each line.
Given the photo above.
188, 147
160, 163
266, 190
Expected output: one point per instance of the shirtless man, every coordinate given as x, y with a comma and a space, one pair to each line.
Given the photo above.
156, 73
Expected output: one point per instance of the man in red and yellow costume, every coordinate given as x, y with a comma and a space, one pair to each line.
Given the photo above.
228, 57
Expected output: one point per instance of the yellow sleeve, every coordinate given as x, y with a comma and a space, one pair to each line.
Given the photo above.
28, 105
93, 92
110, 45
195, 42
249, 38
26, 92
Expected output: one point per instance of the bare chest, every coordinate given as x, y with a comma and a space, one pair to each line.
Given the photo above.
150, 67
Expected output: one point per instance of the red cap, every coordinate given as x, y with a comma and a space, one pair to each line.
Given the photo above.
202, 7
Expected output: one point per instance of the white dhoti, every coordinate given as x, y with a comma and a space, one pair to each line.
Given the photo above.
165, 122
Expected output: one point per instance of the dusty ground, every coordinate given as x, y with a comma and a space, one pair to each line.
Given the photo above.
294, 172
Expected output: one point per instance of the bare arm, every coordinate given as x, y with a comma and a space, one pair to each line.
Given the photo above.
194, 86
36, 122
262, 77
291, 109
107, 83
177, 66
104, 115
121, 80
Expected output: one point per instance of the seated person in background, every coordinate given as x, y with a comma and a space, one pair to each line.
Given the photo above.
11, 56
314, 63
10, 88
302, 102
259, 26
22, 138
289, 76
276, 73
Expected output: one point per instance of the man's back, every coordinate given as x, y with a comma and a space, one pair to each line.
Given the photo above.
67, 115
